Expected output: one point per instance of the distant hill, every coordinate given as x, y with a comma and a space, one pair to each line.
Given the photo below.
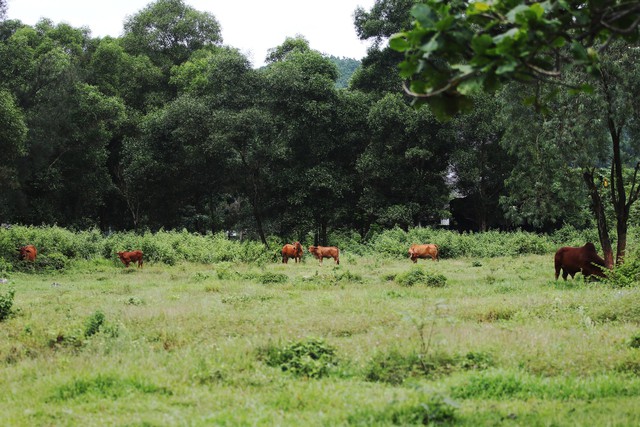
346, 67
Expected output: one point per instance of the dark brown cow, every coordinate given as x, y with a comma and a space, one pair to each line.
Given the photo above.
572, 260
292, 251
322, 252
424, 252
28, 253
128, 257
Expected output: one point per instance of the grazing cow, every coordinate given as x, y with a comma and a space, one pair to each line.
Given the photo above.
292, 251
584, 258
133, 256
322, 252
28, 253
424, 251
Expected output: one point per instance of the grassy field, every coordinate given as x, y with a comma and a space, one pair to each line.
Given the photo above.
469, 342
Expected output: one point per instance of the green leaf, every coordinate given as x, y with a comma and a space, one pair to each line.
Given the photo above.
481, 43
424, 15
507, 67
513, 13
432, 45
445, 23
463, 68
470, 86
558, 42
506, 36
480, 6
579, 52
399, 42
537, 9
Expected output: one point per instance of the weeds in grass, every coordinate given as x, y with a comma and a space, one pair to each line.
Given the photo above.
200, 276
428, 409
269, 277
417, 275
94, 323
244, 298
6, 302
395, 367
634, 342
104, 386
311, 358
501, 384
134, 301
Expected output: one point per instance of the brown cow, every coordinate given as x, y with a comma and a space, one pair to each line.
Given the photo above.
322, 252
571, 260
133, 256
424, 251
28, 253
292, 251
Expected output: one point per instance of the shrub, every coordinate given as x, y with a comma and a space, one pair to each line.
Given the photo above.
93, 324
634, 342
427, 409
270, 277
417, 275
6, 302
52, 262
312, 358
625, 275
5, 266
392, 367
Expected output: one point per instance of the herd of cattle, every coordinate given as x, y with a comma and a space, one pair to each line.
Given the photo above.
569, 260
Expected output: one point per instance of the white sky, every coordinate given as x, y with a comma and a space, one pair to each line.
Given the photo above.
253, 26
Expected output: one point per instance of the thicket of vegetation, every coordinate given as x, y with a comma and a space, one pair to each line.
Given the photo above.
57, 246
168, 127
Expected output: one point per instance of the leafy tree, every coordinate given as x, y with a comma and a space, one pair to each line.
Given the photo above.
62, 172
455, 48
588, 132
479, 164
302, 96
170, 166
379, 69
346, 68
13, 134
169, 31
133, 78
291, 45
404, 166
3, 9
544, 188
255, 152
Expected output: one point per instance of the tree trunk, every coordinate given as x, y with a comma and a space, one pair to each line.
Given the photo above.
323, 231
256, 211
258, 218
622, 242
598, 210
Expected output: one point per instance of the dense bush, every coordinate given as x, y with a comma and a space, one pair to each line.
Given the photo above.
58, 246
431, 409
93, 324
6, 302
417, 275
396, 242
312, 358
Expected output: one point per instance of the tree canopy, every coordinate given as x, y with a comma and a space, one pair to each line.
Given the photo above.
456, 48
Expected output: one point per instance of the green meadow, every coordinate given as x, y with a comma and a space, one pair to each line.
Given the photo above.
219, 332
375, 340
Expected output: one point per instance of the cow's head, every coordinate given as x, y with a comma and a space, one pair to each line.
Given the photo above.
299, 249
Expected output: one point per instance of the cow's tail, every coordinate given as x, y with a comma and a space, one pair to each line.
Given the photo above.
558, 265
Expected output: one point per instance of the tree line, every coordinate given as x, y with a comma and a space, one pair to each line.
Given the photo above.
168, 127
